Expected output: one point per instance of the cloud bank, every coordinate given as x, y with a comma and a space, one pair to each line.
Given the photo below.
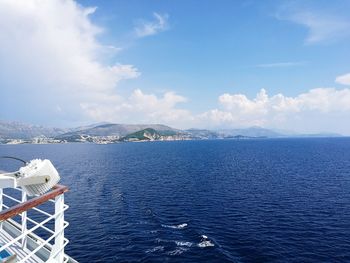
141, 108
303, 111
51, 59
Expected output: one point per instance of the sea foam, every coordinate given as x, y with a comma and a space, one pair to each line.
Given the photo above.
184, 243
180, 226
177, 251
155, 249
205, 242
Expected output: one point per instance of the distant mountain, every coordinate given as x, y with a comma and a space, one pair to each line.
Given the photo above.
111, 129
251, 132
234, 133
202, 134
16, 130
89, 126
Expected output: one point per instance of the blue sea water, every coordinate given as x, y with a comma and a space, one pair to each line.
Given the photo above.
268, 200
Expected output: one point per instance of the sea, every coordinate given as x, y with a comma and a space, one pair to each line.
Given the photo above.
249, 200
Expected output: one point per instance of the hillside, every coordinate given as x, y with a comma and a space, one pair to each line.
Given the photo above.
202, 134
147, 134
118, 130
16, 130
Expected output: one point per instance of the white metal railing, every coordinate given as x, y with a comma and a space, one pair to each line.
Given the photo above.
20, 241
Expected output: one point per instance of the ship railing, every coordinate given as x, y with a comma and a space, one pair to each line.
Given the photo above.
23, 240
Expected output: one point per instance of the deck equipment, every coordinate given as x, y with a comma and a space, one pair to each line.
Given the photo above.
36, 177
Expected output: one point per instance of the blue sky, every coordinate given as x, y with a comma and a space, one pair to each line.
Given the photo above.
208, 64
210, 48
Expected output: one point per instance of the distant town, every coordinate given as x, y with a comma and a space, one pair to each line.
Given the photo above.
106, 133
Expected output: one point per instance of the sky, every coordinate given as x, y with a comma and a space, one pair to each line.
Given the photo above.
189, 64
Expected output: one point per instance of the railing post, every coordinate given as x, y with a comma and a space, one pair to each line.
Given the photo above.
24, 221
59, 228
1, 203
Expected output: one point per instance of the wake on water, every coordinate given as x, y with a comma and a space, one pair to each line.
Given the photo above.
181, 246
180, 226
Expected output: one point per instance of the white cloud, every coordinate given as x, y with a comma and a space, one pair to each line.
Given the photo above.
236, 110
322, 27
52, 65
343, 79
149, 28
281, 64
50, 56
142, 108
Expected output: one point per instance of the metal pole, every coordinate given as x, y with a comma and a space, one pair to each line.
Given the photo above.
59, 228
24, 221
1, 203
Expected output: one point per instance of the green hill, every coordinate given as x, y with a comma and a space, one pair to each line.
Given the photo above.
147, 134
